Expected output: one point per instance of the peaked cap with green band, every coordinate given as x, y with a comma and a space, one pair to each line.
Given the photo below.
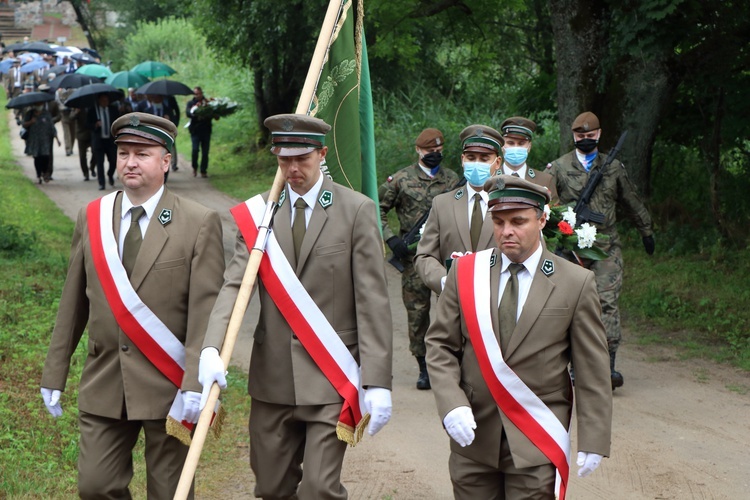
480, 139
296, 134
144, 128
508, 192
518, 126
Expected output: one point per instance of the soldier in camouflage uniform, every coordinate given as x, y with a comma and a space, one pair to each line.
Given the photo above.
410, 191
571, 173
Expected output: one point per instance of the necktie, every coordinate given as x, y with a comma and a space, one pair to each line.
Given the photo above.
515, 174
509, 306
299, 226
133, 240
476, 222
105, 122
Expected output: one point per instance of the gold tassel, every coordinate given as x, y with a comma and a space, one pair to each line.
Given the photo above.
352, 436
176, 429
218, 424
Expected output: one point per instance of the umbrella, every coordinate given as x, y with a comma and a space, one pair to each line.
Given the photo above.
34, 65
29, 99
96, 70
153, 69
57, 70
165, 87
6, 64
91, 52
89, 94
84, 58
125, 79
39, 48
65, 50
72, 81
15, 47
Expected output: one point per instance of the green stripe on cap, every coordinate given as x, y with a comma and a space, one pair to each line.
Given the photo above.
518, 130
155, 134
499, 194
484, 142
292, 140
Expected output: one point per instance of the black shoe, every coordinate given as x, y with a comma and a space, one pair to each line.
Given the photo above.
86, 178
101, 188
423, 381
111, 181
93, 171
617, 379
175, 168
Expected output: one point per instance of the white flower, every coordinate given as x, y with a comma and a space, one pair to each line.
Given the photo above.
547, 211
421, 229
569, 216
586, 235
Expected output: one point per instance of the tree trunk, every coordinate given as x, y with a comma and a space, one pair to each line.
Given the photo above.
711, 147
82, 18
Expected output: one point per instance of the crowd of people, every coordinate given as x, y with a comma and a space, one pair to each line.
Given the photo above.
86, 127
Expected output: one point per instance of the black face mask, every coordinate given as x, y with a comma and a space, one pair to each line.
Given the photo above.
432, 160
586, 145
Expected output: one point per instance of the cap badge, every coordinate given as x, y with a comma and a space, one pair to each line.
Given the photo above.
165, 217
531, 173
437, 141
282, 197
459, 194
134, 121
500, 183
548, 267
326, 199
287, 125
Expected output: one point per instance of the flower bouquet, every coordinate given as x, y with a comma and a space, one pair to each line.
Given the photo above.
563, 236
216, 107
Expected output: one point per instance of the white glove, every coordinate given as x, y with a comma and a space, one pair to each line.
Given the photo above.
193, 109
51, 399
588, 463
211, 369
460, 425
442, 282
378, 405
191, 406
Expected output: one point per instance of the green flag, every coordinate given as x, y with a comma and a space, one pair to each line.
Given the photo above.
343, 99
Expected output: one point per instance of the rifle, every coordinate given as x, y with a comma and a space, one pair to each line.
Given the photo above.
582, 209
414, 233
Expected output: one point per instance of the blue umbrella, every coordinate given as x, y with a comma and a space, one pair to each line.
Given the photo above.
6, 64
34, 65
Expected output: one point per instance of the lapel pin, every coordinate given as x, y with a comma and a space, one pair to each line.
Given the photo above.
165, 217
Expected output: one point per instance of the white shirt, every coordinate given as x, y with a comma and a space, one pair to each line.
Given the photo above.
310, 197
470, 191
426, 170
525, 277
149, 206
521, 172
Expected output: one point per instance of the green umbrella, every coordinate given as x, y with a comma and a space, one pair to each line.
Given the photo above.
126, 79
153, 69
96, 70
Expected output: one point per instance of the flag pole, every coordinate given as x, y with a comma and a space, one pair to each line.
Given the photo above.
256, 254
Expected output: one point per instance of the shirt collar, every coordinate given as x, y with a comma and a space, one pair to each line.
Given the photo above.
149, 206
310, 197
531, 264
471, 192
521, 170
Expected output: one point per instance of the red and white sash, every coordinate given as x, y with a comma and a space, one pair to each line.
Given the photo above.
519, 403
137, 321
307, 321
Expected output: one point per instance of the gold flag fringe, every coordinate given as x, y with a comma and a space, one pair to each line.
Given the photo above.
350, 435
179, 431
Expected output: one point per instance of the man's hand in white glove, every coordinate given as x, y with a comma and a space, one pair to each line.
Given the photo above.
460, 425
378, 405
51, 399
211, 369
191, 406
587, 463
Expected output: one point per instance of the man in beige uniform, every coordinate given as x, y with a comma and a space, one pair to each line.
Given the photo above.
457, 221
176, 273
329, 237
540, 312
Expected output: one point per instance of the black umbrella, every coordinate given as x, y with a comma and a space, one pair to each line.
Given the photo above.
84, 58
29, 99
88, 95
57, 70
15, 47
165, 87
39, 48
72, 81
91, 52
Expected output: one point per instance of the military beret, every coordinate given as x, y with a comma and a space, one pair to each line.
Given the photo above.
480, 139
508, 192
296, 134
430, 138
585, 122
519, 126
144, 128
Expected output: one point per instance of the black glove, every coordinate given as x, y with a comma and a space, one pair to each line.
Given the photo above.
398, 247
649, 244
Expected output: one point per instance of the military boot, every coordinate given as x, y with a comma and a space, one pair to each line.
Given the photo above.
617, 379
423, 382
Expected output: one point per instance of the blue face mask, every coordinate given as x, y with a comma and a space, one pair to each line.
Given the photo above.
515, 156
476, 172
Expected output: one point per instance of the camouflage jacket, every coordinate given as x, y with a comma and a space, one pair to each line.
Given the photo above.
614, 189
410, 191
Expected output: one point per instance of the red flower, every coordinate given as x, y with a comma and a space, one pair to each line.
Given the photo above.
565, 228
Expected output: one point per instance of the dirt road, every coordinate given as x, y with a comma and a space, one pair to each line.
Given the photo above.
681, 428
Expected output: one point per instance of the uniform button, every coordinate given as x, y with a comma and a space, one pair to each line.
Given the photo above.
294, 336
124, 348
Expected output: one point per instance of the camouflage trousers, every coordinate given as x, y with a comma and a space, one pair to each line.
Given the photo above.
608, 274
416, 297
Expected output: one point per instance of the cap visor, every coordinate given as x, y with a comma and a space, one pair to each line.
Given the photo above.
279, 151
